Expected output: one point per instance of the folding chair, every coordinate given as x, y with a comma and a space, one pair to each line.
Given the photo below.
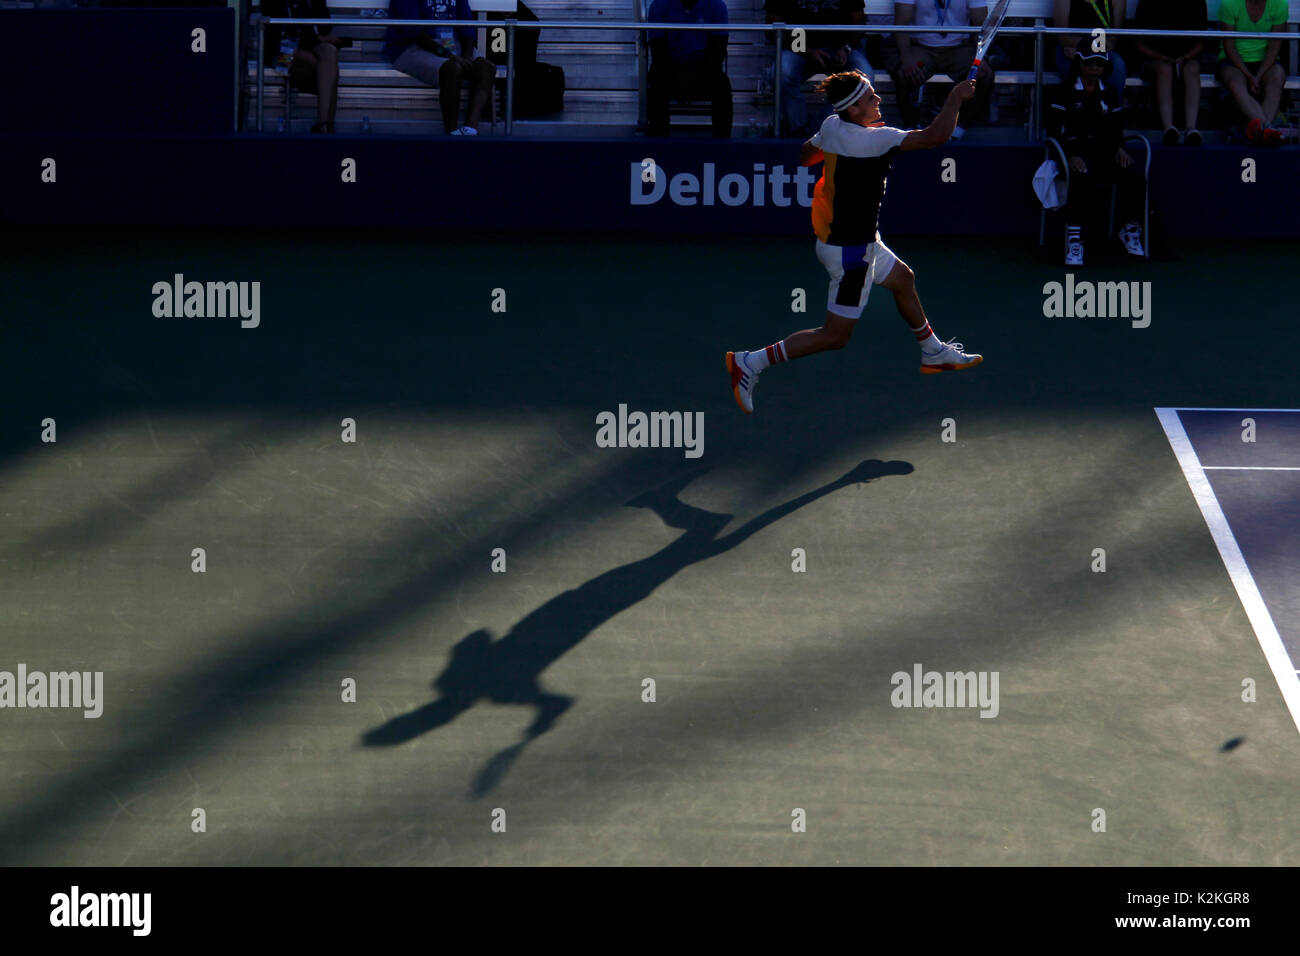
1054, 150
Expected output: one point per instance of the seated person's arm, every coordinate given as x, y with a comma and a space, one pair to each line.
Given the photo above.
715, 50
659, 52
1061, 18
1198, 44
1055, 121
1112, 124
1146, 51
468, 36
468, 41
426, 41
848, 42
1271, 51
1143, 44
1230, 48
904, 16
321, 11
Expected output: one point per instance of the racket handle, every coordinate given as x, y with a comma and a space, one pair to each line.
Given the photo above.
974, 68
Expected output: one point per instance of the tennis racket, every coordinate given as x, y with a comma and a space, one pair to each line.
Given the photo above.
986, 35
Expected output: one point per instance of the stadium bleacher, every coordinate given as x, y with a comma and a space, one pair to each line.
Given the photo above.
605, 75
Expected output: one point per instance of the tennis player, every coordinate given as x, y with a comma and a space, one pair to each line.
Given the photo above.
857, 148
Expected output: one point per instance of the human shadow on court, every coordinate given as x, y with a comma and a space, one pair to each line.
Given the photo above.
507, 671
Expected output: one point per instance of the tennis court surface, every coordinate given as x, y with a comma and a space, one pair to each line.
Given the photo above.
524, 690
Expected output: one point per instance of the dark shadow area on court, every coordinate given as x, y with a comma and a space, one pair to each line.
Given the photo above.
507, 671
402, 353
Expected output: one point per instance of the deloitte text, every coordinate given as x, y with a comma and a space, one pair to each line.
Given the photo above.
56, 689
763, 188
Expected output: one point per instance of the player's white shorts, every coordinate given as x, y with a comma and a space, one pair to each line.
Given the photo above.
854, 269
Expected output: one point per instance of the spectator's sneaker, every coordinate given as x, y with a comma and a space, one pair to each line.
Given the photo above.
743, 381
1254, 132
1074, 251
465, 131
1193, 138
1172, 136
950, 358
1270, 137
1131, 236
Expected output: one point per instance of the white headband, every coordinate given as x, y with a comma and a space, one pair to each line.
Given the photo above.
852, 97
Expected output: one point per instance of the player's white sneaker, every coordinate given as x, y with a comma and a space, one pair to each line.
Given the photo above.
743, 381
1131, 236
950, 358
1074, 251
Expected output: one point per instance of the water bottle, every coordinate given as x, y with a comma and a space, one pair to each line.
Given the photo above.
279, 125
365, 124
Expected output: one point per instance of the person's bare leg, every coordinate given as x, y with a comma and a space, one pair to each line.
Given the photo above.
1165, 94
1247, 103
902, 282
1272, 87
1191, 92
833, 334
449, 78
327, 83
482, 75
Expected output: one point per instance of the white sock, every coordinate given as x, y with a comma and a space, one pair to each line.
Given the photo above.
762, 358
931, 345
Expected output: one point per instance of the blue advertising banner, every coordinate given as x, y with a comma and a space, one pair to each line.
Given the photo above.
651, 186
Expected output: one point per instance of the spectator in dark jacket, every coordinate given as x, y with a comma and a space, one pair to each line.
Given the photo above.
688, 63
1087, 117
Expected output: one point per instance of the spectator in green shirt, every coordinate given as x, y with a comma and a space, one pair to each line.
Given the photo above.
1249, 68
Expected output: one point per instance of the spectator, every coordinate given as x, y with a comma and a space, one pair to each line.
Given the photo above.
1168, 57
310, 53
1090, 15
442, 57
1249, 68
1087, 117
824, 52
688, 63
922, 55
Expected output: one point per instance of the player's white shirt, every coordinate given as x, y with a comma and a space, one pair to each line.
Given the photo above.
850, 139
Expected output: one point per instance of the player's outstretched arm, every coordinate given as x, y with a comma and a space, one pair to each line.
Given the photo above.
940, 131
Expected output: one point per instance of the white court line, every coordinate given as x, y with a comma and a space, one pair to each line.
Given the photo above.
1249, 468
1284, 671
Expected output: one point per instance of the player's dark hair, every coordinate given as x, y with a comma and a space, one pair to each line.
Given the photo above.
839, 85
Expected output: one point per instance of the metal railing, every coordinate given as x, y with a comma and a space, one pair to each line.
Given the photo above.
1039, 32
